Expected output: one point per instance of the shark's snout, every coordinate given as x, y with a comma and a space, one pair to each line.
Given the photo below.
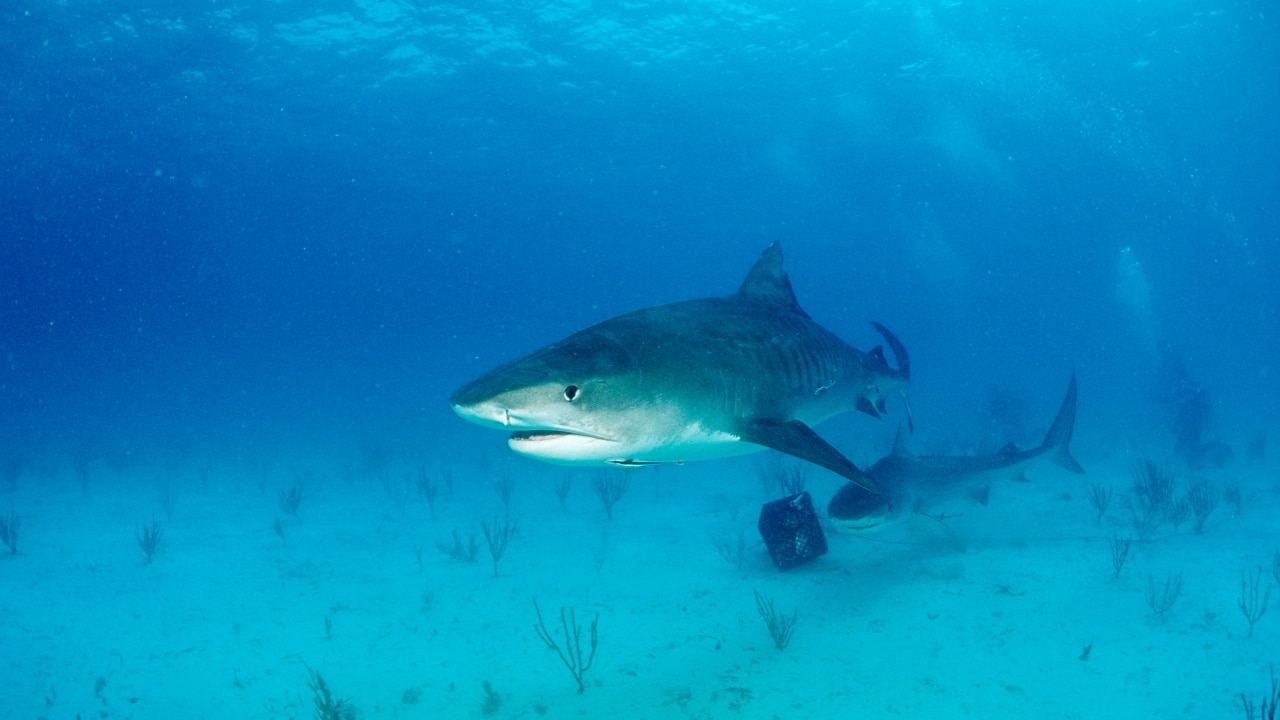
857, 509
488, 414
548, 438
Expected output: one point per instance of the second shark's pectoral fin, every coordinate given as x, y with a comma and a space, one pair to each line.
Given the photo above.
981, 494
865, 405
795, 438
932, 530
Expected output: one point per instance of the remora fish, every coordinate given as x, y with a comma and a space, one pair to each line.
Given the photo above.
691, 380
908, 482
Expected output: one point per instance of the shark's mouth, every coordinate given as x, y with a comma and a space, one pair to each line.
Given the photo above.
537, 435
545, 434
563, 446
859, 526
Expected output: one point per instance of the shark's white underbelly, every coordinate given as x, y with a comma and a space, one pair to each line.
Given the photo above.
693, 442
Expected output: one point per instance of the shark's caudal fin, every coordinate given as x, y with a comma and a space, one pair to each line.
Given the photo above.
903, 361
899, 350
1058, 440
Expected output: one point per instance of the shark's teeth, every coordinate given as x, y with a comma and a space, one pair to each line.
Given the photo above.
536, 435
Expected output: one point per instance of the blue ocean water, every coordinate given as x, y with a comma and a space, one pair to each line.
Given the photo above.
246, 243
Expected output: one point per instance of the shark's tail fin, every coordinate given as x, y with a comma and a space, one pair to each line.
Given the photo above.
1058, 440
902, 374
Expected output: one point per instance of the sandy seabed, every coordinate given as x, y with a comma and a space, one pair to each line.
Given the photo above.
230, 618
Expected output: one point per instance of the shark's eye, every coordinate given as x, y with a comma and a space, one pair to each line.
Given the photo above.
571, 392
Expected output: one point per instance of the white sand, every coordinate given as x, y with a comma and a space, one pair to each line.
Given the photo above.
228, 618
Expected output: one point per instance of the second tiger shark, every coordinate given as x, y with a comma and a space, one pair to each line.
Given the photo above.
690, 380
911, 483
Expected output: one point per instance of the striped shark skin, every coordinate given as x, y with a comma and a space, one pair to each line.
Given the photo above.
691, 380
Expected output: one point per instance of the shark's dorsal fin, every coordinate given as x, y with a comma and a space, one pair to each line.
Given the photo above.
768, 282
900, 444
1009, 449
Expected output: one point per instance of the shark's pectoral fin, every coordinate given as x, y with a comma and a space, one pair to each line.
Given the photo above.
935, 531
865, 405
981, 494
795, 438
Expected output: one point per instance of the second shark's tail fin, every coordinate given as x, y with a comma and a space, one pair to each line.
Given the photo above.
1058, 440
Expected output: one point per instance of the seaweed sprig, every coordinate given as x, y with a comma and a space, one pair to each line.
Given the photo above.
148, 537
571, 653
781, 626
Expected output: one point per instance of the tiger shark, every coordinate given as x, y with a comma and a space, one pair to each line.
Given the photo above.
697, 379
909, 483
